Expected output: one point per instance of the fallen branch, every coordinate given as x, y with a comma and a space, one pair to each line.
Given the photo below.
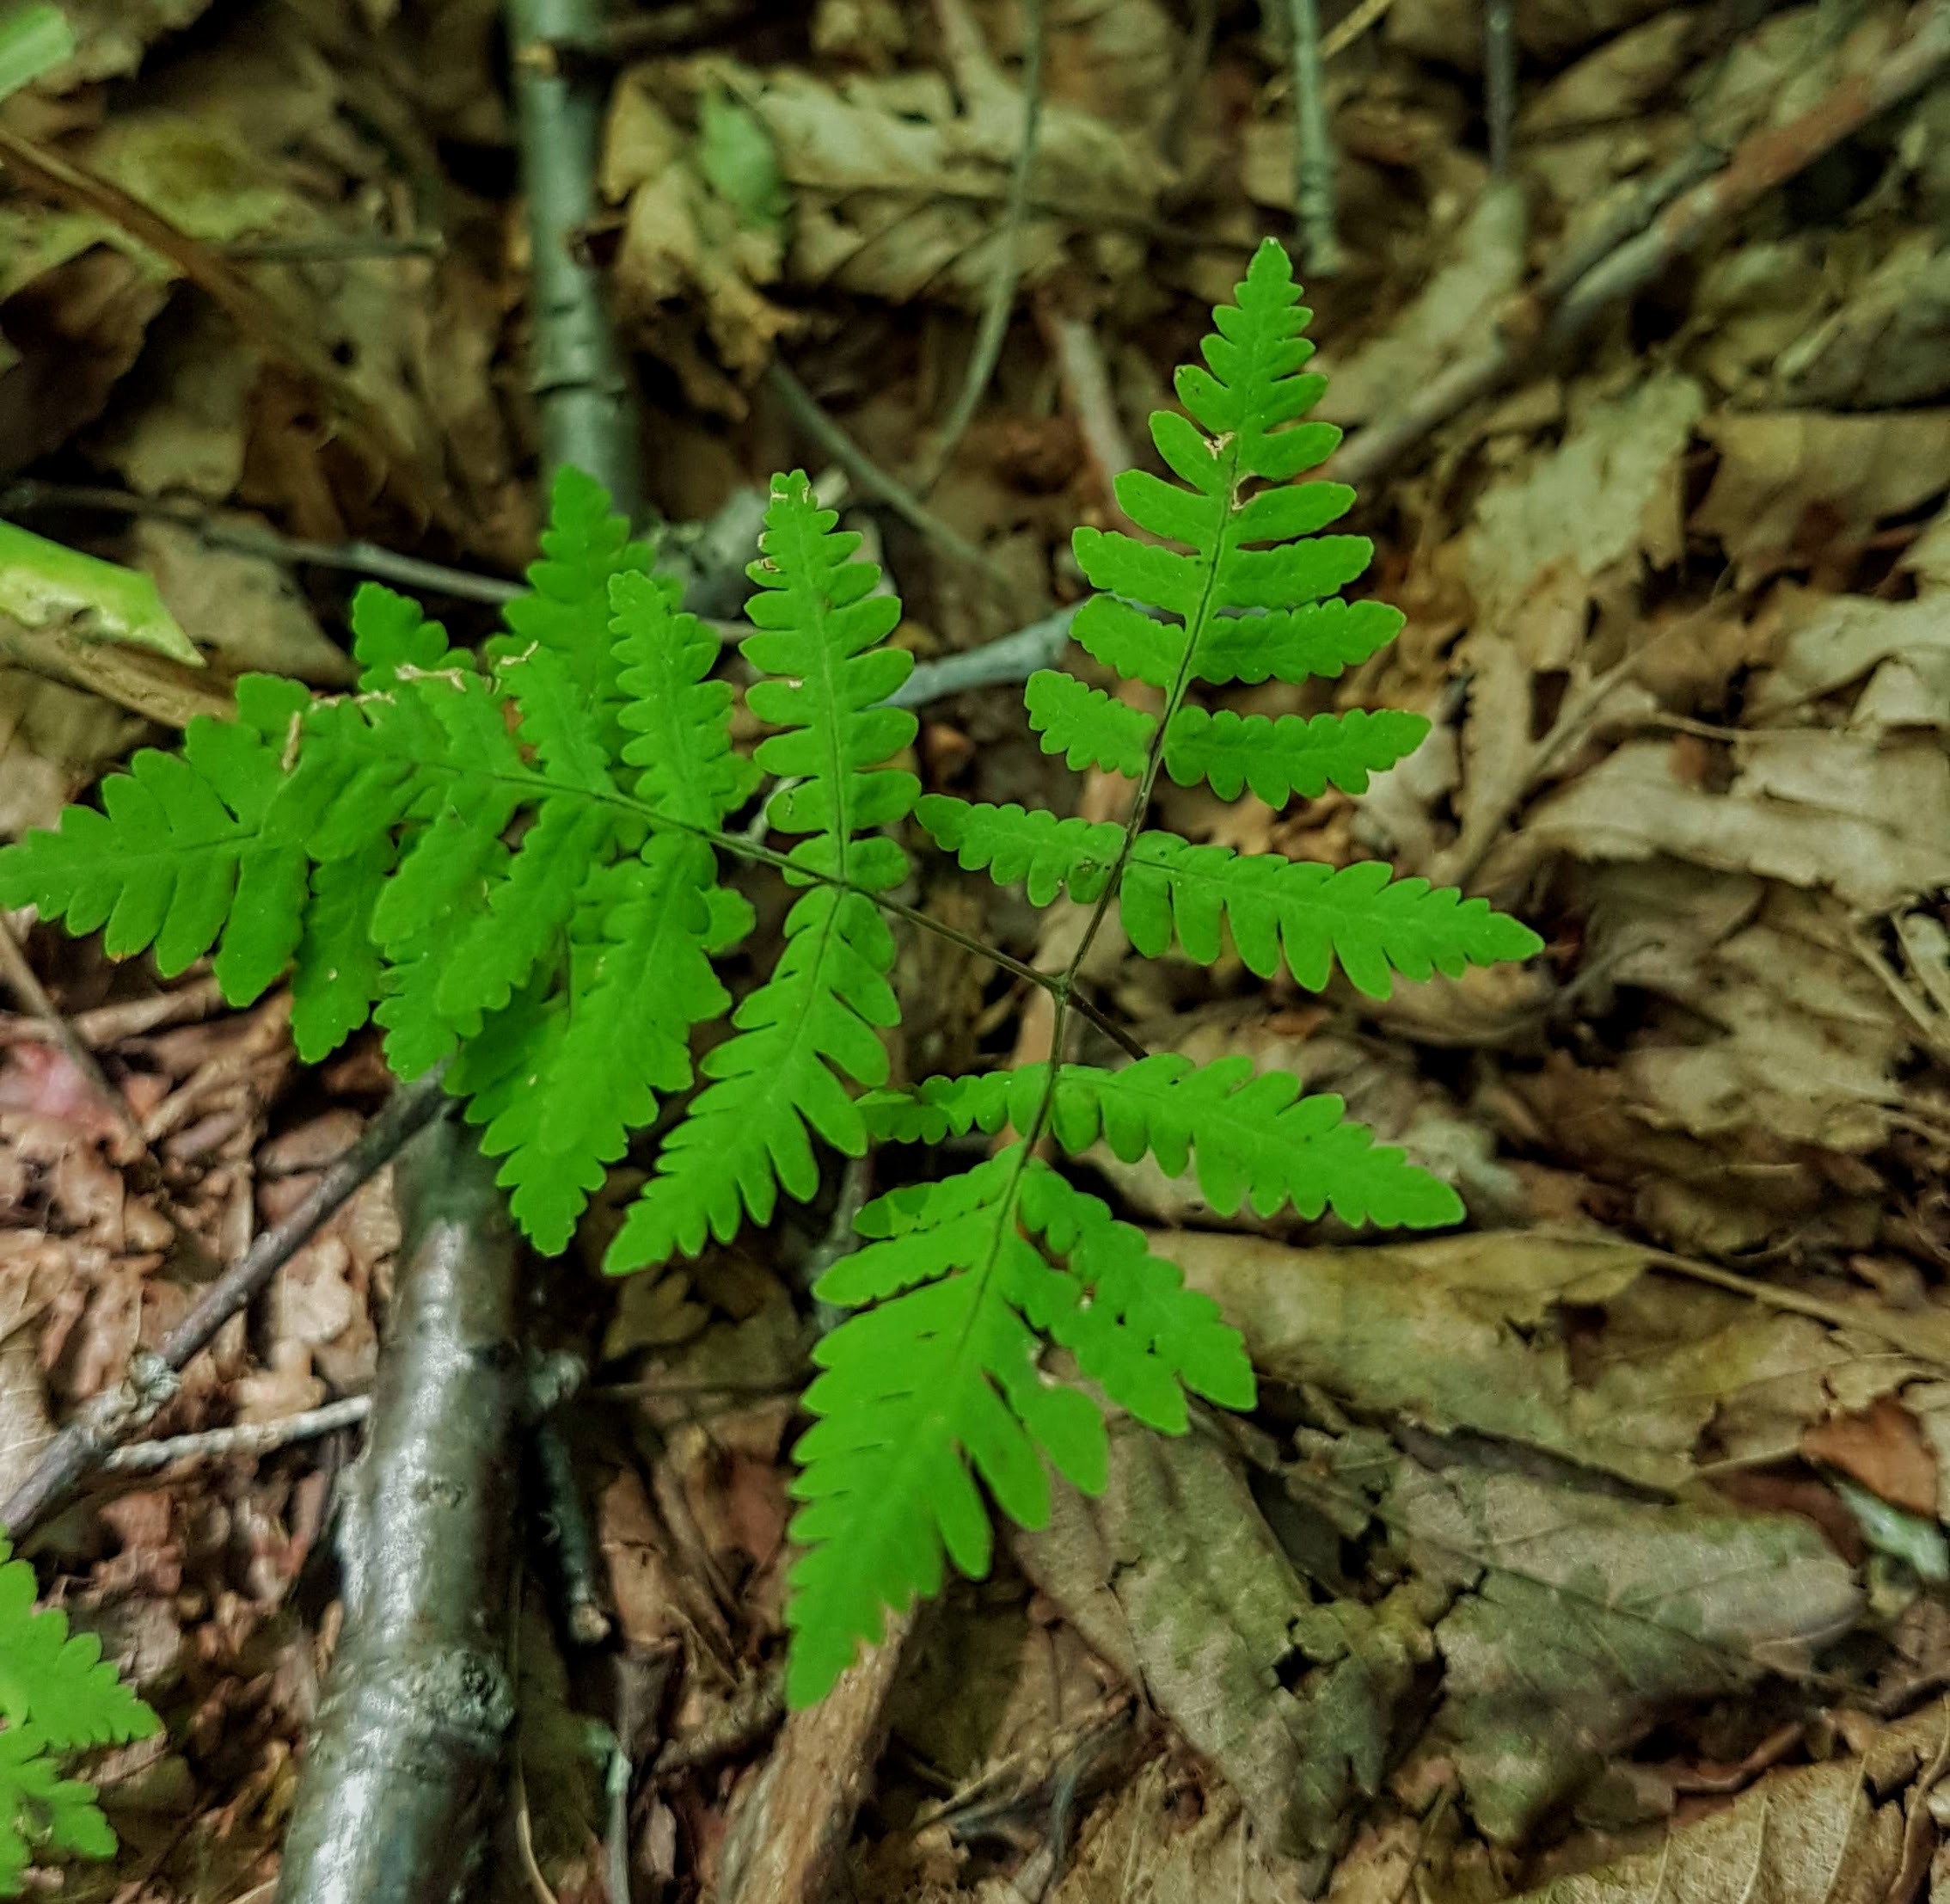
240, 1439
107, 1419
401, 1761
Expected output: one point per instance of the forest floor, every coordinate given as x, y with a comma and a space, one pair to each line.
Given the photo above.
1595, 1551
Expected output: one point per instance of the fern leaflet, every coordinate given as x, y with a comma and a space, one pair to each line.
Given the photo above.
56, 1695
777, 1081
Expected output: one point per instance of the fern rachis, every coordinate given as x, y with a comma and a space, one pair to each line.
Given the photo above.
512, 862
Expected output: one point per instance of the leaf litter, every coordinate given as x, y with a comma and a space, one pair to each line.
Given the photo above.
1537, 1529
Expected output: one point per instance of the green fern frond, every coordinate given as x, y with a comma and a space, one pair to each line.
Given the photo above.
56, 1695
777, 1081
337, 973
1049, 855
1279, 758
393, 640
566, 613
1300, 913
1250, 1139
936, 1384
175, 859
1309, 916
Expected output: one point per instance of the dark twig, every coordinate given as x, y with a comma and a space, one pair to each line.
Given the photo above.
582, 385
567, 1536
1000, 301
1313, 145
31, 496
99, 1423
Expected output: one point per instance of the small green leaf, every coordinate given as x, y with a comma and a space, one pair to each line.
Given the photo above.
42, 583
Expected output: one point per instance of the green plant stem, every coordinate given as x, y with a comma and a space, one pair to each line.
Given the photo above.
1313, 145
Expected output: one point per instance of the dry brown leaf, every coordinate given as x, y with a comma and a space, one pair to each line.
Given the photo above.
1587, 514
1473, 1332
1883, 1447
1818, 1834
1593, 1616
1871, 824
1792, 486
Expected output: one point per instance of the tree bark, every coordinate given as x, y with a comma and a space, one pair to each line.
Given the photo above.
403, 1759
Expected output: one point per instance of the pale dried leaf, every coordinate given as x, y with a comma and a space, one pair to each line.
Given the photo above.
1593, 1615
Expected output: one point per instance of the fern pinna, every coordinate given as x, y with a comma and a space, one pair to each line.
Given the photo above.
58, 1697
513, 862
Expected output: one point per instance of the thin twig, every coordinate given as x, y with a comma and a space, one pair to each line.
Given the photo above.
1313, 145
333, 248
1000, 301
31, 495
241, 1438
1345, 33
103, 1422
1500, 80
1013, 657
806, 413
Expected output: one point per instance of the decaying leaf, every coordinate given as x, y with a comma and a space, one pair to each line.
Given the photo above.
1292, 1699
1816, 1835
1592, 1616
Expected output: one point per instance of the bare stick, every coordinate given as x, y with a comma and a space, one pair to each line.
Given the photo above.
1499, 77
1001, 299
103, 1422
1013, 657
582, 385
240, 1439
1313, 145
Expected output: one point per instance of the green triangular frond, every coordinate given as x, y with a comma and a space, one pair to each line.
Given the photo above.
936, 1385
